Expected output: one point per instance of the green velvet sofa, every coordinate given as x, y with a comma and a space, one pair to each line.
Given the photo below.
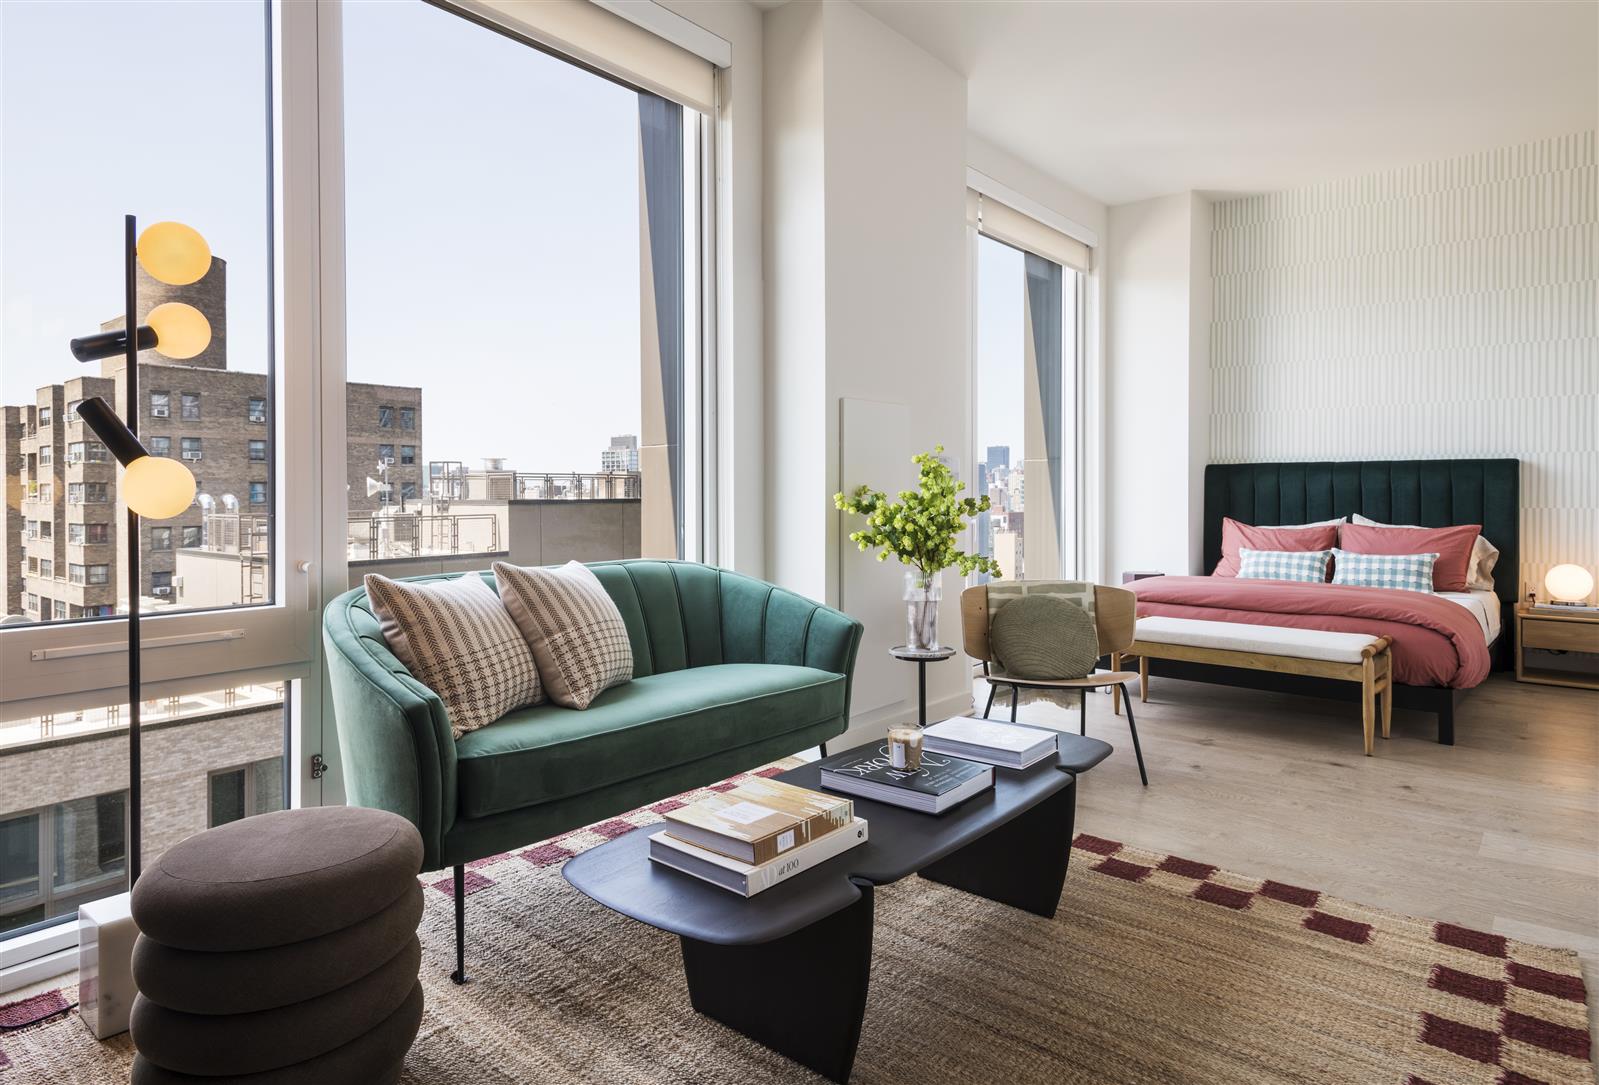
729, 672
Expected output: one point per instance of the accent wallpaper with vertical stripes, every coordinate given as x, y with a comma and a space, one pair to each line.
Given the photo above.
1442, 310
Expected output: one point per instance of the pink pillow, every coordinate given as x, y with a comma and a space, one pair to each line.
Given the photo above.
1296, 539
1451, 544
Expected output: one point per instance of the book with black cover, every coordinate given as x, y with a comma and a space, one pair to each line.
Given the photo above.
940, 783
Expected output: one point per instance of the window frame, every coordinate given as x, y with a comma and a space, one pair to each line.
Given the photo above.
51, 665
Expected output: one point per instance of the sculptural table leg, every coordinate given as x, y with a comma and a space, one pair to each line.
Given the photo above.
1021, 863
803, 995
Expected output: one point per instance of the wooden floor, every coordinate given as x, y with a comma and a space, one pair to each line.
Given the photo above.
1499, 832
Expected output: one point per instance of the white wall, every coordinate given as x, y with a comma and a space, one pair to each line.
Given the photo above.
1157, 402
866, 283
1446, 310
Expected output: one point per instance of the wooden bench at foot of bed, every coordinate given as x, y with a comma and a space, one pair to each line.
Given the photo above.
1351, 657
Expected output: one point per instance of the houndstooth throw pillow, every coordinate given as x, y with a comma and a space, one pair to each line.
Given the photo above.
573, 627
1309, 566
1407, 572
456, 638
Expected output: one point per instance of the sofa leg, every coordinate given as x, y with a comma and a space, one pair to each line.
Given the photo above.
459, 975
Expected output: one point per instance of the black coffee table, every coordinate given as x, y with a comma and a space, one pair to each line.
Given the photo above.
789, 967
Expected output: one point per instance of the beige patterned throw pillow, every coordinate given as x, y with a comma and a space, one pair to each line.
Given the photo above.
573, 627
455, 637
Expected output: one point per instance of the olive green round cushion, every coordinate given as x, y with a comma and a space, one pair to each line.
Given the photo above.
1044, 636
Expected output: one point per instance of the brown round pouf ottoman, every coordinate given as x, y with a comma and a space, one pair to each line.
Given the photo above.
280, 948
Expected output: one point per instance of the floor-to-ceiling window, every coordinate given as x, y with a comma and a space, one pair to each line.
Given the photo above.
90, 133
1026, 377
456, 309
521, 285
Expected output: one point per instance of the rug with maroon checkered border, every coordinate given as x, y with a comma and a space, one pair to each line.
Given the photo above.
1157, 969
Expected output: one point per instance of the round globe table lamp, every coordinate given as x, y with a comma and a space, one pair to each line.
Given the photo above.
1568, 584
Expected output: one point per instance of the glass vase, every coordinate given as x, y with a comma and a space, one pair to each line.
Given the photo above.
922, 593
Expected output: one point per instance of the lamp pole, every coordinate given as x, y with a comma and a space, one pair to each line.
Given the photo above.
158, 487
131, 419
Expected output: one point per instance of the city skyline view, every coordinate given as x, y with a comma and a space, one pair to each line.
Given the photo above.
561, 287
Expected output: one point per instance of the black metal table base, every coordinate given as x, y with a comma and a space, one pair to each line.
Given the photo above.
803, 996
1022, 863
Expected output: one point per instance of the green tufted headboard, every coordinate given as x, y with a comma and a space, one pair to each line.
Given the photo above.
1431, 493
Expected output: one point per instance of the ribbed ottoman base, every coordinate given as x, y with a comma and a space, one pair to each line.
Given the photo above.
374, 1057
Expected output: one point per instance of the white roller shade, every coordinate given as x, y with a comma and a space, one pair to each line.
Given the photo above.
1003, 223
591, 35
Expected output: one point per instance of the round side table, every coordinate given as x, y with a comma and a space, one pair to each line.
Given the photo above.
921, 657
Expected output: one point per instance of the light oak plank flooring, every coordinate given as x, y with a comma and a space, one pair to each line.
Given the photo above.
1499, 832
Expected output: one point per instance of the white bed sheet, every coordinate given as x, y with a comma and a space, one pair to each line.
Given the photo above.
1484, 605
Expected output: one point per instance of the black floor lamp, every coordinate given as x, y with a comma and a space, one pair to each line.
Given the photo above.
153, 487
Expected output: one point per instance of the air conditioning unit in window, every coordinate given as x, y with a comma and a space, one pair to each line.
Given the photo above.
191, 454
160, 591
160, 412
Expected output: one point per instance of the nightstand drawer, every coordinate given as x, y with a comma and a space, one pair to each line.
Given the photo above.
1560, 635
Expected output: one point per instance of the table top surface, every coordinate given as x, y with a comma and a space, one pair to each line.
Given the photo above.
620, 875
1525, 610
920, 655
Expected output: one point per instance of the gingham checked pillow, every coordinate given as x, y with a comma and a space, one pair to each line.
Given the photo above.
1407, 572
576, 632
1308, 566
455, 637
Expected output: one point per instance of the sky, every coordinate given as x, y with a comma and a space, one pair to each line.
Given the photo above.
492, 203
1001, 305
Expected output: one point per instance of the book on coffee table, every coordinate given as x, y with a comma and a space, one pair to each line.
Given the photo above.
747, 879
759, 820
941, 782
997, 743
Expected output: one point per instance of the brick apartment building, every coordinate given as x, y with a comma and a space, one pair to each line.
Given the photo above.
63, 536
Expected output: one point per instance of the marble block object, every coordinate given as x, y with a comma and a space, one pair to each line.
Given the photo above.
106, 933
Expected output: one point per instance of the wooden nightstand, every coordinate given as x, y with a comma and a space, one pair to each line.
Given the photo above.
1559, 632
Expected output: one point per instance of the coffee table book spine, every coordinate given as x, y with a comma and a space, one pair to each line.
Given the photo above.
800, 816
748, 879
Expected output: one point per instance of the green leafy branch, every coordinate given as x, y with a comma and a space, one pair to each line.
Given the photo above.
921, 527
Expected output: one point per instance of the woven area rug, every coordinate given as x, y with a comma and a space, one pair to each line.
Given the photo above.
1157, 969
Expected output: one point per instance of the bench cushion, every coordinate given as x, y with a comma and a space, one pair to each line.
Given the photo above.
1275, 640
546, 753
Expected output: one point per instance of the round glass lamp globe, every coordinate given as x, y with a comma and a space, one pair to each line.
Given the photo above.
1569, 583
174, 253
158, 488
181, 331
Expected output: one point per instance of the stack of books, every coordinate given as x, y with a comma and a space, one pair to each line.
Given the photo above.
939, 784
1568, 609
1007, 744
758, 834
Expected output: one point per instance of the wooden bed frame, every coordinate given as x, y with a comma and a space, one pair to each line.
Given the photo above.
1432, 493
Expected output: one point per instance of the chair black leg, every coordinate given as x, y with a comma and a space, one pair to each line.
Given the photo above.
459, 975
1127, 702
1082, 712
1015, 696
989, 707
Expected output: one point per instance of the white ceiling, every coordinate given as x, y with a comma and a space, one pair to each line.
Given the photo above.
1127, 100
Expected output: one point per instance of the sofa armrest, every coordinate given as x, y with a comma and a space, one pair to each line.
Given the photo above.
394, 734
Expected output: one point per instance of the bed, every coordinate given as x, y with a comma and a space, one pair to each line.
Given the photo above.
1443, 644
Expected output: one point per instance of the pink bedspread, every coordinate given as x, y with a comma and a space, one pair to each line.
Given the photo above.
1436, 642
